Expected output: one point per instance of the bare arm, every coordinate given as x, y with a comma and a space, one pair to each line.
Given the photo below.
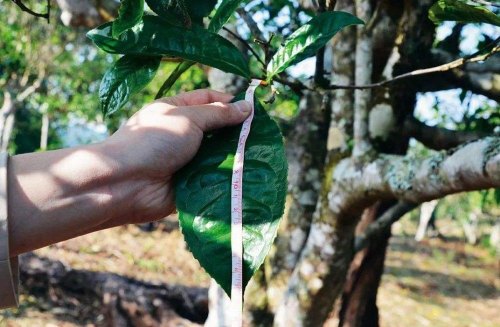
57, 195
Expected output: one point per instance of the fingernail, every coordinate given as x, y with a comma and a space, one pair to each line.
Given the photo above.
243, 106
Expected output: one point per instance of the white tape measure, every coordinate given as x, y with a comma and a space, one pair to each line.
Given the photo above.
237, 215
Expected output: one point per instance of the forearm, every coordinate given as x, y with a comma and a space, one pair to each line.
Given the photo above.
57, 195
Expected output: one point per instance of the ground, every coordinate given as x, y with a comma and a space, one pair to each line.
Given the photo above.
433, 283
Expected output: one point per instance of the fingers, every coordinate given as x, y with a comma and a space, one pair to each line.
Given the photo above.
197, 97
216, 115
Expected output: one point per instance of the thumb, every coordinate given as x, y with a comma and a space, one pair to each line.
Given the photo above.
216, 115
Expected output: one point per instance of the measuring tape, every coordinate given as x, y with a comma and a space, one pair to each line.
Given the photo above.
237, 215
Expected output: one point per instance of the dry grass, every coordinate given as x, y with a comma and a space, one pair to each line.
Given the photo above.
434, 283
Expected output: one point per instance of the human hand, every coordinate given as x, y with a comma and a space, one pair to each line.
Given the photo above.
163, 137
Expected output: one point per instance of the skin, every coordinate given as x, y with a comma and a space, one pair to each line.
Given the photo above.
57, 195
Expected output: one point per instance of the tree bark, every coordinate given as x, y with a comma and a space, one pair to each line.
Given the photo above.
306, 156
320, 274
359, 299
87, 13
426, 213
122, 301
7, 117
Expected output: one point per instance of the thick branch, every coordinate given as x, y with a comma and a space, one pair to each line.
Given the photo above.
438, 138
380, 226
123, 301
318, 277
363, 75
473, 166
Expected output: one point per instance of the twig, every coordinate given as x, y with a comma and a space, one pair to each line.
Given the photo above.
295, 85
246, 44
252, 25
478, 56
23, 7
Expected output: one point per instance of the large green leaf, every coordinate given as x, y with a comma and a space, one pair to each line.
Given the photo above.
127, 76
223, 13
153, 37
188, 11
308, 39
130, 13
203, 197
456, 10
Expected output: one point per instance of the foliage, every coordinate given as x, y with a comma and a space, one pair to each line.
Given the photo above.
203, 188
308, 39
128, 75
130, 14
203, 197
460, 11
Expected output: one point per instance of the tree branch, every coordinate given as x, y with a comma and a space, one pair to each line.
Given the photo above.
438, 138
471, 77
23, 7
382, 224
246, 44
320, 274
476, 57
252, 25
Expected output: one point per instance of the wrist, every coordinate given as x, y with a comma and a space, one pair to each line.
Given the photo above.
137, 195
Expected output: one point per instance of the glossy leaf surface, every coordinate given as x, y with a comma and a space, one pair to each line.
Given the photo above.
456, 10
130, 13
153, 37
308, 39
223, 13
128, 76
187, 11
203, 197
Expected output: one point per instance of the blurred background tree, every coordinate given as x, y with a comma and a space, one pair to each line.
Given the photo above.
49, 77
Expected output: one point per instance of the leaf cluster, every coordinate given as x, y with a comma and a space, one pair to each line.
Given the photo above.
176, 30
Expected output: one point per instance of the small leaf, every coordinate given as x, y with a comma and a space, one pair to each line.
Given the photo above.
308, 39
222, 14
128, 76
130, 13
456, 10
152, 37
203, 197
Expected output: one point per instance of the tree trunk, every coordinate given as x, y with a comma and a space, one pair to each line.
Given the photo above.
86, 295
306, 156
359, 300
7, 119
427, 210
44, 132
